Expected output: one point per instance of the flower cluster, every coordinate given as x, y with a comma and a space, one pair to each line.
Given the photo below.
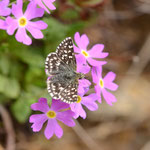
90, 58
15, 19
87, 62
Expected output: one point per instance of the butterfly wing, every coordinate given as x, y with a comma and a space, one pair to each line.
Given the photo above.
54, 65
69, 94
55, 87
66, 53
57, 66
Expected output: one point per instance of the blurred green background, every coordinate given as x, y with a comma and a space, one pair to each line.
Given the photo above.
123, 26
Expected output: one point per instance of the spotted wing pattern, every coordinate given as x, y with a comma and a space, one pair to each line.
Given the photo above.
55, 88
65, 52
69, 94
56, 66
53, 65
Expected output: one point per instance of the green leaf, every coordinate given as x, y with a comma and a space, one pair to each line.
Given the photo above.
21, 107
30, 56
9, 87
21, 110
55, 30
4, 99
17, 70
3, 82
35, 76
54, 34
4, 64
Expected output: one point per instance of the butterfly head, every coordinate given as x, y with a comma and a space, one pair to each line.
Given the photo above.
80, 75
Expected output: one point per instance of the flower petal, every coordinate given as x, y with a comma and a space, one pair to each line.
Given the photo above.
3, 25
41, 105
78, 110
58, 105
96, 74
12, 25
49, 4
111, 86
66, 117
38, 120
38, 24
89, 101
81, 60
108, 81
91, 97
82, 66
96, 51
83, 86
94, 62
82, 113
98, 92
50, 128
81, 90
84, 82
36, 33
84, 42
33, 12
77, 38
4, 10
42, 5
58, 130
17, 9
110, 76
109, 98
4, 3
76, 49
21, 36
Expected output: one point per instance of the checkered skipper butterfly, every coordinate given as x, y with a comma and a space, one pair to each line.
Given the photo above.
60, 66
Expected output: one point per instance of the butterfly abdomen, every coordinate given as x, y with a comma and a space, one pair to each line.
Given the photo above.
66, 77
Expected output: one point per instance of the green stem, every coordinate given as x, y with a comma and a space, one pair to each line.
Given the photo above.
14, 2
2, 17
10, 4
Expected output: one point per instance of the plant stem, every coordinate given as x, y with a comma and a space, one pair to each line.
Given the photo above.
10, 4
2, 17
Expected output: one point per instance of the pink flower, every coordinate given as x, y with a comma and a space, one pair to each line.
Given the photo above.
88, 101
45, 4
104, 83
83, 55
4, 10
22, 22
3, 25
85, 68
84, 85
57, 111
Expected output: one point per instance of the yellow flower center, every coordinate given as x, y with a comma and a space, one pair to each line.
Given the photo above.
51, 114
85, 53
101, 83
22, 22
79, 99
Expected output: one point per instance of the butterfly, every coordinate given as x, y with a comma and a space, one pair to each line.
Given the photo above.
60, 66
